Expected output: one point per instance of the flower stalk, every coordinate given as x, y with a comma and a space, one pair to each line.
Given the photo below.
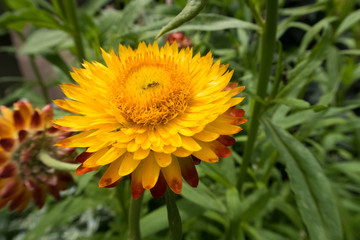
267, 52
134, 218
70, 8
51, 162
174, 218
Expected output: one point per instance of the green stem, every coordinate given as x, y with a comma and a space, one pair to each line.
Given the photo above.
255, 13
52, 162
134, 218
70, 7
40, 80
174, 218
267, 52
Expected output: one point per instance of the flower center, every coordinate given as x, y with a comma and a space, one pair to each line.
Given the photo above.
151, 94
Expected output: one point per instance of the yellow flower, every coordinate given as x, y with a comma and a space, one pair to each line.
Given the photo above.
24, 131
151, 113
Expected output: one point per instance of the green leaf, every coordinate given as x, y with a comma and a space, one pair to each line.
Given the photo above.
130, 14
203, 197
293, 103
314, 197
19, 4
347, 23
40, 18
90, 7
254, 204
191, 10
43, 40
300, 11
216, 22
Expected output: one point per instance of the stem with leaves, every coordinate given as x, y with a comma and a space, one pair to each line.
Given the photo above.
267, 52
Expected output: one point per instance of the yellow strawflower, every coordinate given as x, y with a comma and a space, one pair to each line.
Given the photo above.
151, 113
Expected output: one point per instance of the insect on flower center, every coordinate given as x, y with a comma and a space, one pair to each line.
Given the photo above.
151, 94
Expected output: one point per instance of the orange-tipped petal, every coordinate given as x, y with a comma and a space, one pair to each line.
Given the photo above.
136, 183
206, 154
111, 175
172, 175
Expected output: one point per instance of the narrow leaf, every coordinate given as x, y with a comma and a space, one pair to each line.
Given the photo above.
313, 192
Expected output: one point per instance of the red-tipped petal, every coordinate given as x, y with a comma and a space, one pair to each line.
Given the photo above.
226, 140
136, 183
82, 170
83, 157
188, 171
172, 175
19, 121
11, 186
236, 112
47, 113
114, 184
160, 187
22, 134
7, 144
8, 170
35, 120
230, 86
220, 150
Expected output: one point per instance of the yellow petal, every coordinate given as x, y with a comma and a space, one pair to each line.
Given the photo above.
128, 164
141, 154
151, 172
91, 161
190, 144
163, 159
111, 155
206, 154
181, 152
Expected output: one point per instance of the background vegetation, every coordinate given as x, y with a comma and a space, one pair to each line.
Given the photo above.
303, 180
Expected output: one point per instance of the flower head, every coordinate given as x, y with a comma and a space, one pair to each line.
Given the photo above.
151, 113
25, 131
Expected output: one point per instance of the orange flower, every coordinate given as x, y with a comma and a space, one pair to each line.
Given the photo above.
24, 131
151, 113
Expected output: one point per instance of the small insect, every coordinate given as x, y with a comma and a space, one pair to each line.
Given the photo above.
150, 85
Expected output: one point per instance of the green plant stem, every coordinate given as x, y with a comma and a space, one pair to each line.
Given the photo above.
174, 218
267, 52
39, 80
255, 13
52, 162
134, 218
70, 7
